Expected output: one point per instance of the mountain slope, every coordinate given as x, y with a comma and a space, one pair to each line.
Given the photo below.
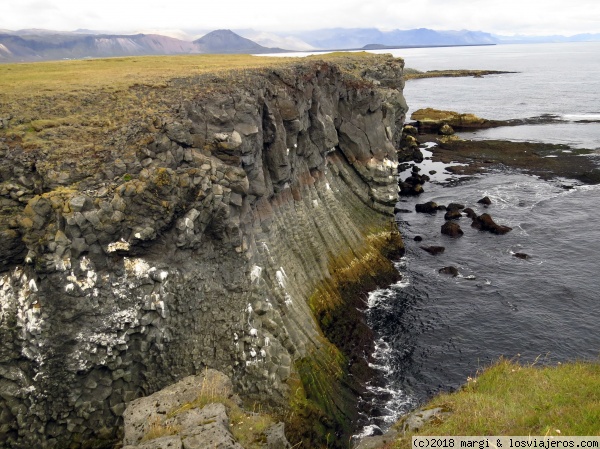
226, 41
45, 45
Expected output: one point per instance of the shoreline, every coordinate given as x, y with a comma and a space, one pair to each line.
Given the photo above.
546, 160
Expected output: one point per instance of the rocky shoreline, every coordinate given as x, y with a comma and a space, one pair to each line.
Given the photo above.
549, 161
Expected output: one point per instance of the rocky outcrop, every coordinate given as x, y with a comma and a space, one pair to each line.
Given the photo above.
197, 413
446, 122
452, 229
194, 240
485, 222
429, 207
434, 250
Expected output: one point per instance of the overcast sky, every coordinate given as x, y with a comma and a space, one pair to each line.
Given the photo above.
510, 17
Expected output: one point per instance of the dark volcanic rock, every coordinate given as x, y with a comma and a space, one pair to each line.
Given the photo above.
452, 271
485, 223
155, 258
434, 250
418, 238
452, 229
485, 201
407, 189
427, 208
522, 256
470, 212
455, 206
452, 214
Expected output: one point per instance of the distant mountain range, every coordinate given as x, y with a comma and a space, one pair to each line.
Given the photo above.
39, 45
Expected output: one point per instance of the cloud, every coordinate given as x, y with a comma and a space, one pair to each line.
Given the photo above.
499, 16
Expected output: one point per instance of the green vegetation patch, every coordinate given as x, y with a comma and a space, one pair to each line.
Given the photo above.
511, 399
328, 381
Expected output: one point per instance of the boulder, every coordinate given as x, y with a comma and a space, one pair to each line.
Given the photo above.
446, 130
470, 213
141, 414
452, 214
485, 223
455, 206
407, 189
522, 256
433, 250
452, 229
276, 437
418, 238
485, 201
429, 207
452, 271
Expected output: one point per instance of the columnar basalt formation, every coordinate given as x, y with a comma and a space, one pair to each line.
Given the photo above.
195, 240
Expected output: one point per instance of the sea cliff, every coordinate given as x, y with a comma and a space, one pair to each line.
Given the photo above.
218, 220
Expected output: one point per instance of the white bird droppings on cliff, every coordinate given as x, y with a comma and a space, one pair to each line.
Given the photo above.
256, 272
280, 278
136, 267
32, 285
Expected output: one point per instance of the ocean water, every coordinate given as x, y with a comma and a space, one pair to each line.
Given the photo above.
433, 330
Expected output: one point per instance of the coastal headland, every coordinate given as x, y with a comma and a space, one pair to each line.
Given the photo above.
162, 216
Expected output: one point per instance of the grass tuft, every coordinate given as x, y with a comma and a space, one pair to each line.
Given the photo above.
511, 399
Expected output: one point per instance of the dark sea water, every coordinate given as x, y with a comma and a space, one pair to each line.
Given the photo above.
434, 330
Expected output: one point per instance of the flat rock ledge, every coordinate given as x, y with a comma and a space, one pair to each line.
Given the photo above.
410, 423
186, 415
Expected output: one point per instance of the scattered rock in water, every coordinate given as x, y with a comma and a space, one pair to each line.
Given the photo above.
485, 223
522, 256
485, 201
427, 208
410, 130
452, 214
432, 172
470, 212
434, 250
452, 229
452, 271
418, 238
407, 189
417, 155
446, 130
455, 206
413, 185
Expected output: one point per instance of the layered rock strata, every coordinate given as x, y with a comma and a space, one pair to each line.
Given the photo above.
195, 240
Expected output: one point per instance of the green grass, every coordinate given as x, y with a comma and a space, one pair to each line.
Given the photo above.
510, 399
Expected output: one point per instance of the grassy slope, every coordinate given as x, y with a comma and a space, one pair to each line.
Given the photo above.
509, 399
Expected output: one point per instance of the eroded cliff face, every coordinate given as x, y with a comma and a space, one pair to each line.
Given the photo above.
195, 242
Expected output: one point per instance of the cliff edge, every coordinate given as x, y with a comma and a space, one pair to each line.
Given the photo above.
215, 220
